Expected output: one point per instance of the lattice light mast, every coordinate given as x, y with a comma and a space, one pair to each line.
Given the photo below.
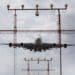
37, 9
15, 34
38, 61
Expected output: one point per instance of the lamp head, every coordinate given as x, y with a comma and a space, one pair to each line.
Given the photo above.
51, 6
22, 6
66, 6
8, 6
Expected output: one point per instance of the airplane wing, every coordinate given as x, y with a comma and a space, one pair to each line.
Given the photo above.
31, 46
19, 45
28, 46
54, 45
22, 45
47, 46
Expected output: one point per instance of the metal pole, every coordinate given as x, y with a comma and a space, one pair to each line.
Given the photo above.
15, 27
28, 69
14, 38
48, 69
59, 31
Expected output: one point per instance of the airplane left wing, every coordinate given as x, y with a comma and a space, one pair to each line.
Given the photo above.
20, 45
28, 46
23, 45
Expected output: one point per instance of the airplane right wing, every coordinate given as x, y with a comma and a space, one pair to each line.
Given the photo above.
54, 45
47, 46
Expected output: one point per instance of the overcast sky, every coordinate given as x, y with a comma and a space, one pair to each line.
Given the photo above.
28, 20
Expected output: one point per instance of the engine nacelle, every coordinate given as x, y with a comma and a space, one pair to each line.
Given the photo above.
10, 44
65, 45
21, 44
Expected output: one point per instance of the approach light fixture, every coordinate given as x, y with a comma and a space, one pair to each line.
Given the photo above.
66, 6
51, 6
37, 13
22, 6
8, 6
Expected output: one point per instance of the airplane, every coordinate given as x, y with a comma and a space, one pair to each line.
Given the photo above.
38, 45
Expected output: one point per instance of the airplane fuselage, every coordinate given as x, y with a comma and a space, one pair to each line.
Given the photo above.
38, 45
